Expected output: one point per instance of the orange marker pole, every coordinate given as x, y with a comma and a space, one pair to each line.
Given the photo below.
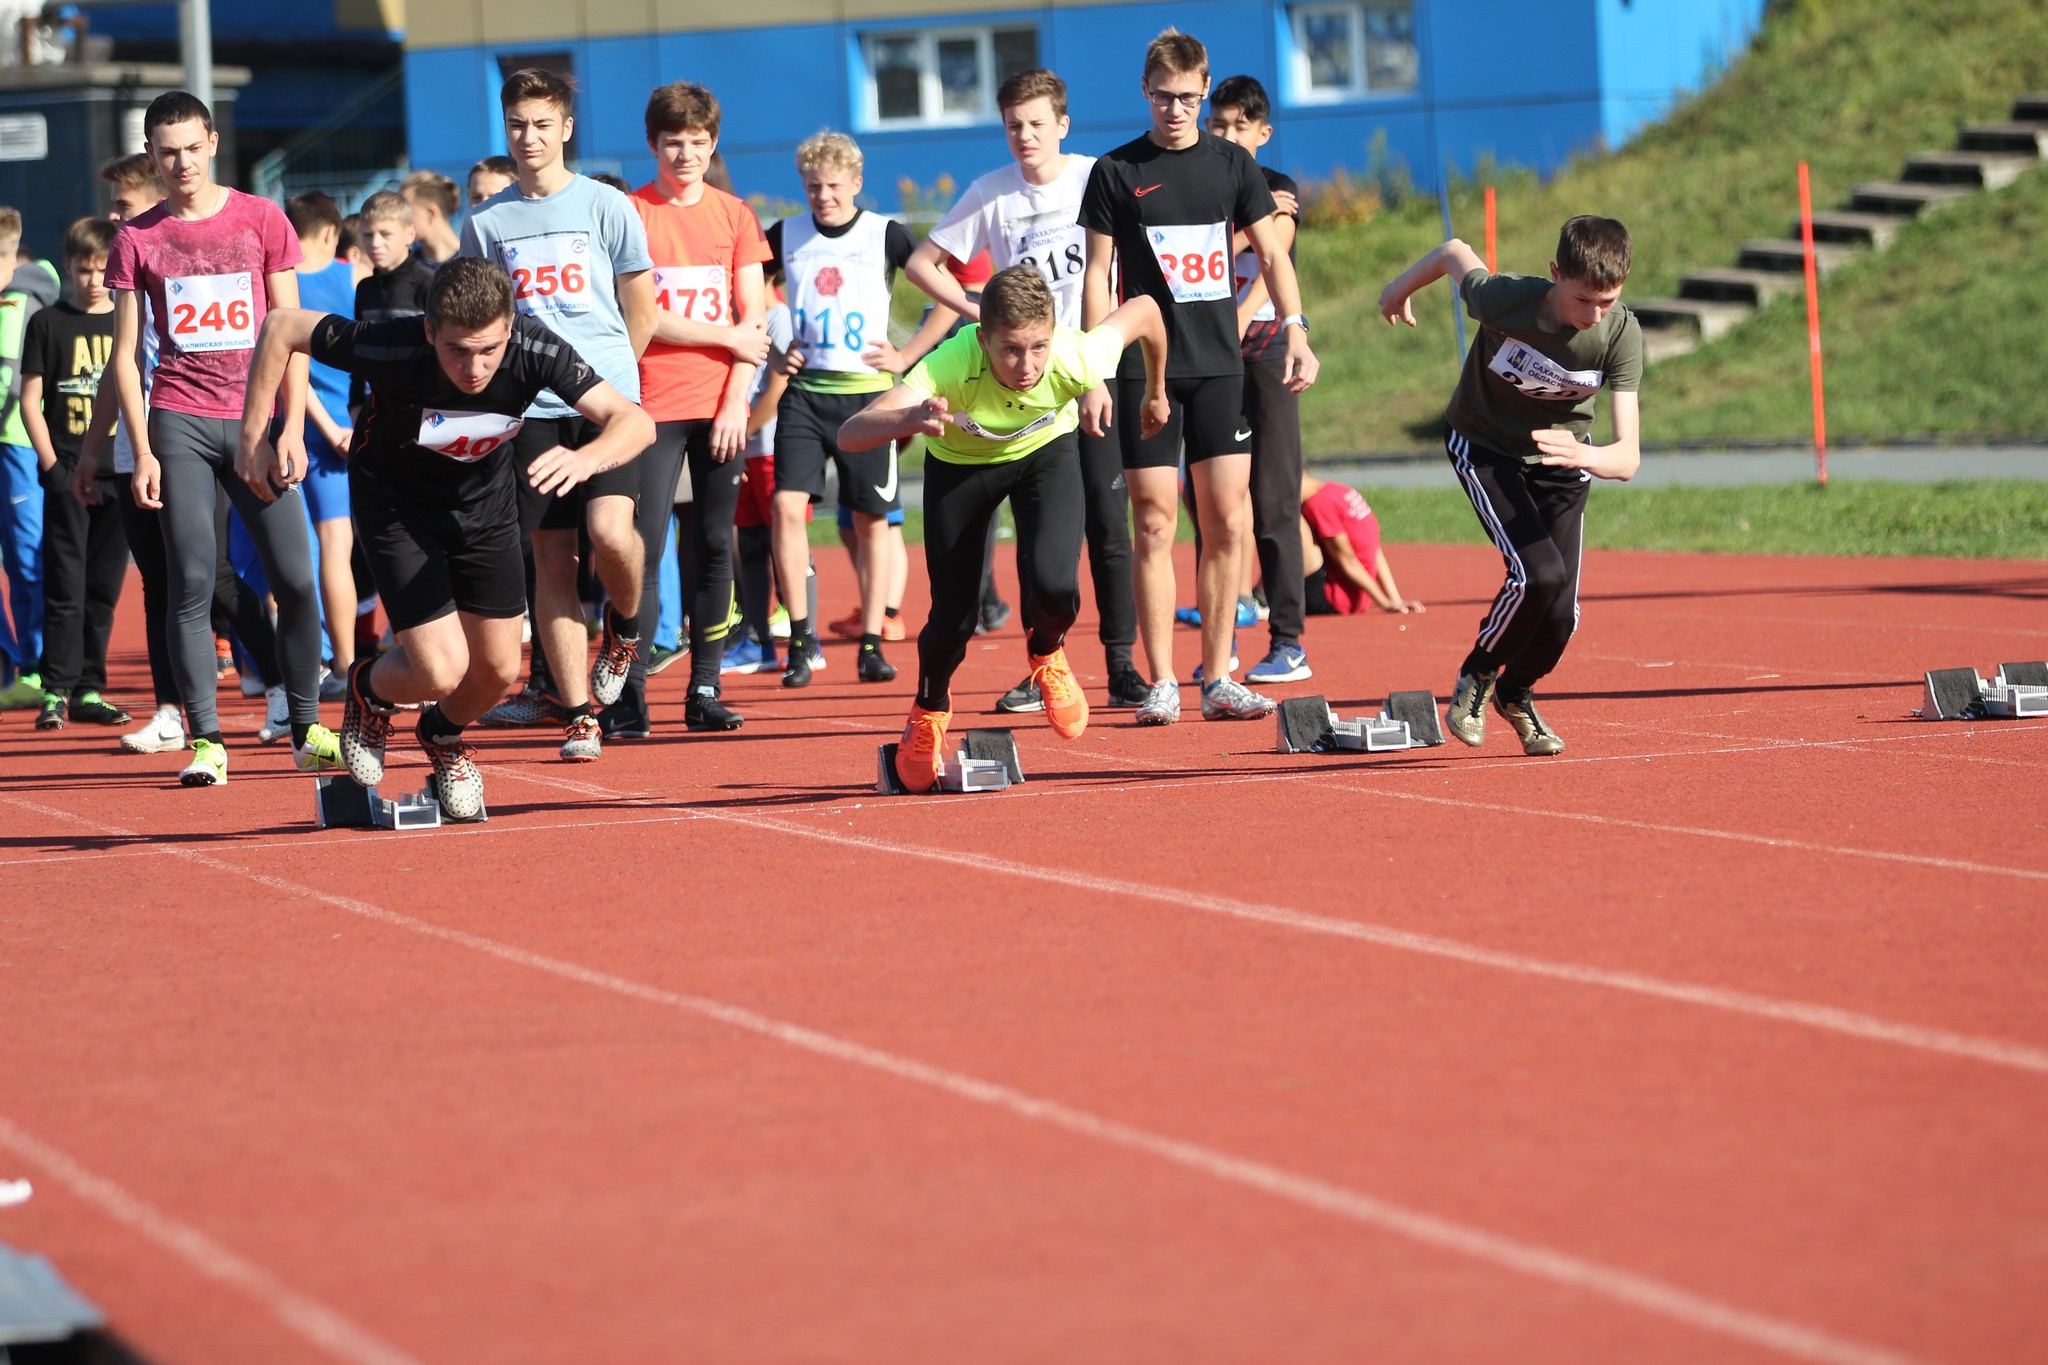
1820, 407
1490, 266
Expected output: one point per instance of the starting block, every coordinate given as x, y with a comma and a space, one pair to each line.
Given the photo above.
985, 762
1308, 726
2016, 691
343, 803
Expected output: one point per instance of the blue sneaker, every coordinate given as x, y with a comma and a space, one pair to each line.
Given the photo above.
1247, 613
1189, 616
1286, 663
1198, 678
745, 656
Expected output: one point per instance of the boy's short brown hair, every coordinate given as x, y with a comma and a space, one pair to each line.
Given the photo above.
469, 292
682, 107
538, 83
10, 231
828, 149
385, 206
311, 211
175, 106
1017, 297
1031, 85
1593, 251
89, 239
497, 165
135, 171
434, 187
1177, 54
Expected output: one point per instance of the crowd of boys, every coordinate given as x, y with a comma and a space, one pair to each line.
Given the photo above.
477, 412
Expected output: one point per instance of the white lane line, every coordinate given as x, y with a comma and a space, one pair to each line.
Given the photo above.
304, 1317
1532, 1259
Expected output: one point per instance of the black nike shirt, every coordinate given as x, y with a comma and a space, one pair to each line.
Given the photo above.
1170, 214
423, 434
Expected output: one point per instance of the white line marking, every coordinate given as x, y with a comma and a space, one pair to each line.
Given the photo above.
1533, 1259
311, 1320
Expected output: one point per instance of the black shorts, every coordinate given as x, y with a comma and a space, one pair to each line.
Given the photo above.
429, 557
1314, 589
547, 511
807, 432
1207, 414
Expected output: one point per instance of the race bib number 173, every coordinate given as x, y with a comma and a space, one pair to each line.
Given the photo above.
212, 312
696, 292
1195, 258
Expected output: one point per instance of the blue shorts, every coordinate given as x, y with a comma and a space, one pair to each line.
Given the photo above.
846, 517
326, 485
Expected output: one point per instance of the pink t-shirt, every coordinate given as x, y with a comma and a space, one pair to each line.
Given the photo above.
205, 282
1335, 511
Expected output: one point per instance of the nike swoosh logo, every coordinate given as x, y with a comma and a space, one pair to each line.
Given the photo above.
1242, 436
1140, 194
887, 491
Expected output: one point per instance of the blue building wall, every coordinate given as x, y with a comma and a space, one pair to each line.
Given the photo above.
1491, 83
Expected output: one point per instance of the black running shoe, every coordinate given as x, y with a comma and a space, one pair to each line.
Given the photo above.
1022, 698
796, 672
993, 617
93, 709
1127, 690
875, 668
52, 716
626, 718
704, 711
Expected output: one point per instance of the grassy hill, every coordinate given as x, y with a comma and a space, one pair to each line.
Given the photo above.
1936, 335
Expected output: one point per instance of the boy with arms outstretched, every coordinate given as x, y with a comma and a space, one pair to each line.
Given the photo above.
1517, 431
996, 407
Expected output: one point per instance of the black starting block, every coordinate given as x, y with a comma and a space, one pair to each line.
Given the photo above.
986, 761
2016, 691
1308, 726
341, 802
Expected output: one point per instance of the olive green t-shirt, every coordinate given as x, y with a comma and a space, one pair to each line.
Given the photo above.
1519, 378
995, 425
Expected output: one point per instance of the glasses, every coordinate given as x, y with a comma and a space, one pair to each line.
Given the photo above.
1166, 99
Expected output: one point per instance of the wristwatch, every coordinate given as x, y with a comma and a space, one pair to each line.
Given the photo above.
1298, 320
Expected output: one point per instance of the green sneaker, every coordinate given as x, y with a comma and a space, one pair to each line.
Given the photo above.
1465, 717
25, 693
52, 717
209, 765
321, 752
778, 622
1538, 739
94, 709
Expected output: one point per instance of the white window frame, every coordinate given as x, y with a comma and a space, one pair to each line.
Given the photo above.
1356, 85
931, 93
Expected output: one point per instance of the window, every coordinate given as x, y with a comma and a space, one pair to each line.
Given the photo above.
932, 78
1346, 51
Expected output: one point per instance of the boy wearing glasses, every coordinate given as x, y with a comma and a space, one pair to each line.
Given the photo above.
1164, 206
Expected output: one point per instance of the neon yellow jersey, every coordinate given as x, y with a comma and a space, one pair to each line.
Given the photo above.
995, 425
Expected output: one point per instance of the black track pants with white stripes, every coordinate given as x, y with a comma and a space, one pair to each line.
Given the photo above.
1535, 517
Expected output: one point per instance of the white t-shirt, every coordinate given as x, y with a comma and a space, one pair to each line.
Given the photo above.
124, 449
1019, 223
780, 336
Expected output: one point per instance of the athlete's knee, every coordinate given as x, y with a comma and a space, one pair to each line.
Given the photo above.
1547, 576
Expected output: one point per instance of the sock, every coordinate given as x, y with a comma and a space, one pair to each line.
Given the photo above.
369, 693
892, 612
436, 728
624, 627
214, 737
1508, 691
799, 628
1478, 661
868, 642
299, 733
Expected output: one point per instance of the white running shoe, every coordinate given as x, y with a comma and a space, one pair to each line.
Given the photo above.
1229, 699
164, 734
277, 720
582, 740
1162, 704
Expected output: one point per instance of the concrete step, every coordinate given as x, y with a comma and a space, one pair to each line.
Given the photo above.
1903, 200
1790, 256
1753, 287
1663, 343
1702, 319
2022, 137
1975, 170
1849, 228
2030, 107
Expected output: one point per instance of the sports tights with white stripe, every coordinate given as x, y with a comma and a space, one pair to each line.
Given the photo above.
1535, 517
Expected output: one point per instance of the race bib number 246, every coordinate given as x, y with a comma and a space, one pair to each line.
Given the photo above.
212, 312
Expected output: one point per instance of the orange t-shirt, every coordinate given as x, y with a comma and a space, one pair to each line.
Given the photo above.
697, 251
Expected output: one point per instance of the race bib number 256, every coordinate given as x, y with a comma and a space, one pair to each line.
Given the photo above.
212, 312
550, 274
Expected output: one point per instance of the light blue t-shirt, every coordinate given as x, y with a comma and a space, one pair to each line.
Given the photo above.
565, 254
332, 290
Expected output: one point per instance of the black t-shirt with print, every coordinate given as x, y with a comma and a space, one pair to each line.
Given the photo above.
1170, 214
421, 433
69, 348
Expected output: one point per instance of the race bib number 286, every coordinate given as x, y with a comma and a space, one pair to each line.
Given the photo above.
1195, 258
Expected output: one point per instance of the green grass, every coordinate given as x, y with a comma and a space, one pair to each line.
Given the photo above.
1936, 335
1989, 519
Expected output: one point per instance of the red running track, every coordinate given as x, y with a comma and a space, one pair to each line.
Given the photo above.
1720, 1037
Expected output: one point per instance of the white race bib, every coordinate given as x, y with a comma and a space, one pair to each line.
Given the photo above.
1195, 258
1248, 269
1538, 376
466, 436
1053, 244
212, 312
550, 274
697, 292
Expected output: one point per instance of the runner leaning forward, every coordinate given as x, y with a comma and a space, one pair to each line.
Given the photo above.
434, 495
996, 407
